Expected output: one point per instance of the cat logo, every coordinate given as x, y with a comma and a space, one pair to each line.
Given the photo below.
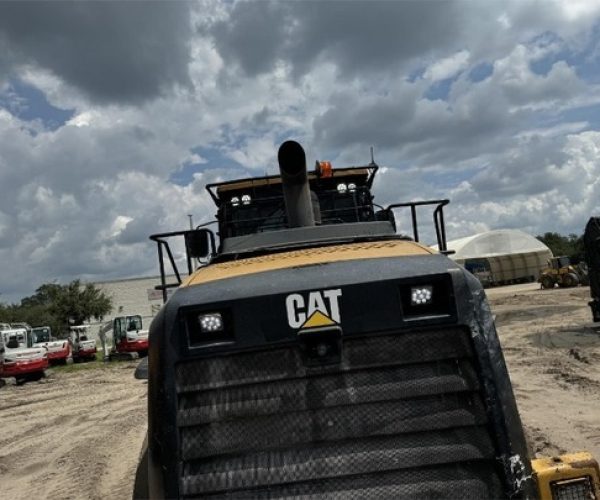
318, 309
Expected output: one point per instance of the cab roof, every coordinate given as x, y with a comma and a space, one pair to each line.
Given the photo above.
363, 175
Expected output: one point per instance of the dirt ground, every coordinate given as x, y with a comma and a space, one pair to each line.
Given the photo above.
552, 350
78, 434
72, 435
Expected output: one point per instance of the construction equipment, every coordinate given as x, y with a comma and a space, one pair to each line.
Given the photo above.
82, 347
59, 351
560, 272
318, 354
19, 361
129, 339
591, 242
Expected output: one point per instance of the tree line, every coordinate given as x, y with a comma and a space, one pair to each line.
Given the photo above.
59, 306
571, 245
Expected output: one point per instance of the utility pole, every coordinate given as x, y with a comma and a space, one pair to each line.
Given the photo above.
191, 221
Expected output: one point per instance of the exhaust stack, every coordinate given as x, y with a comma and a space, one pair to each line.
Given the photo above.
296, 190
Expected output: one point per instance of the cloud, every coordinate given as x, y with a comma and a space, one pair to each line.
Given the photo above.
125, 52
358, 36
448, 67
512, 146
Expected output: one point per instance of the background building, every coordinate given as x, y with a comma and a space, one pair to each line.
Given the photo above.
131, 296
502, 256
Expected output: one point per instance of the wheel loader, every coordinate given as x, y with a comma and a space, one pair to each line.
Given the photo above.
313, 352
560, 272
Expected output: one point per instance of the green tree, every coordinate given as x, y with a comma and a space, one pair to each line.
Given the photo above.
571, 245
57, 306
76, 303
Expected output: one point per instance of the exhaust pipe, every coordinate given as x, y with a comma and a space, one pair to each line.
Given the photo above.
296, 190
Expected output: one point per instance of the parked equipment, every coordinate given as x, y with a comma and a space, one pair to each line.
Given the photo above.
20, 361
59, 351
560, 272
129, 335
321, 355
83, 348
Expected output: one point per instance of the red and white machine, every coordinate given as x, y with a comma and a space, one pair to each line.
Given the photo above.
19, 361
83, 347
59, 351
129, 335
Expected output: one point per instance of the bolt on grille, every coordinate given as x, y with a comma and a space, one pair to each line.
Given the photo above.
400, 416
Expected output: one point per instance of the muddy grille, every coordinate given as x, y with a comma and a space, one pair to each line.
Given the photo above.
401, 416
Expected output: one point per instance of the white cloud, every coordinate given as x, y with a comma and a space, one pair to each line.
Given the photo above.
82, 200
448, 67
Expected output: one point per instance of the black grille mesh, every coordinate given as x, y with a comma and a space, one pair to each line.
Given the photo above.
401, 416
573, 489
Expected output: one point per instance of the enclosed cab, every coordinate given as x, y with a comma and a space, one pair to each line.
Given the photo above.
129, 335
59, 351
18, 360
316, 353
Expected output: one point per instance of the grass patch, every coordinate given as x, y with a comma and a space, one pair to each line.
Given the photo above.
82, 365
97, 364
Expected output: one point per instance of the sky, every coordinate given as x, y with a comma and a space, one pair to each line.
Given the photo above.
114, 115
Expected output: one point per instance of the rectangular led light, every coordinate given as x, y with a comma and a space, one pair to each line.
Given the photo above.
211, 323
421, 295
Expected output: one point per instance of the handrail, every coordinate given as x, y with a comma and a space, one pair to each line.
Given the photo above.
438, 219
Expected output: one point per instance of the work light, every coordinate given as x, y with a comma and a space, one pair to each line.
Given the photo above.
211, 323
421, 295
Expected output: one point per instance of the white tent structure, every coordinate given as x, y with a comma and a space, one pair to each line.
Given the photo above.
502, 256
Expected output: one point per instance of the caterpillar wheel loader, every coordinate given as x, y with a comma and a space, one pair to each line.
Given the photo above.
560, 272
315, 353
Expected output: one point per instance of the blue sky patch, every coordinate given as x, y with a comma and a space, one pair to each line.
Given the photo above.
480, 72
29, 103
214, 160
439, 90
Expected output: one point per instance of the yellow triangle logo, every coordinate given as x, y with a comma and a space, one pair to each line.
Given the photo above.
317, 319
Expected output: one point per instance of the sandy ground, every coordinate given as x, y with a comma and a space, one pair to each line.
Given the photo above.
552, 350
73, 435
78, 435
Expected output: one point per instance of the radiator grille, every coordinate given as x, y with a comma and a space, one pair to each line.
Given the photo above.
401, 416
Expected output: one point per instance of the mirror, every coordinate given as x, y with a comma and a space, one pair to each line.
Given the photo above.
199, 243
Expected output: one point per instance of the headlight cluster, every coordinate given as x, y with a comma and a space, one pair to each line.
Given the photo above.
205, 328
245, 200
344, 188
211, 323
428, 298
421, 295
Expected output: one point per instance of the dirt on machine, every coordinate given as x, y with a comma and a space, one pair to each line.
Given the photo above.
312, 351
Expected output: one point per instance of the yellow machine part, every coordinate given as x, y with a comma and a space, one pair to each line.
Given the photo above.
575, 476
307, 257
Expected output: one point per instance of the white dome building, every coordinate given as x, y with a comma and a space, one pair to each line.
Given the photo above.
502, 256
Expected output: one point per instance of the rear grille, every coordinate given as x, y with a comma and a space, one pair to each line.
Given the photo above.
401, 416
573, 489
